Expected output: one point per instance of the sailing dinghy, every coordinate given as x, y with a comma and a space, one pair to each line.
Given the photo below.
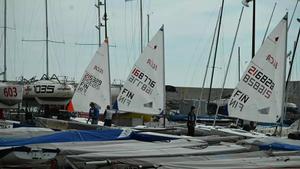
94, 84
143, 91
259, 96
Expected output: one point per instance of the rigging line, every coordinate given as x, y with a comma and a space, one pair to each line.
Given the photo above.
215, 54
222, 53
134, 22
125, 41
199, 59
1, 39
15, 41
209, 56
202, 50
293, 14
228, 65
55, 49
63, 33
269, 23
133, 48
22, 58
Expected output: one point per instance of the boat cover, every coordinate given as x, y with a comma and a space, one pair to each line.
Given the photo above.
71, 136
86, 135
274, 143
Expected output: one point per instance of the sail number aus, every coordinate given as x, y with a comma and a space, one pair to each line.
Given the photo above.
10, 92
44, 88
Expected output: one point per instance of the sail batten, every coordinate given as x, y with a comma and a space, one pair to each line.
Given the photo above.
259, 95
143, 91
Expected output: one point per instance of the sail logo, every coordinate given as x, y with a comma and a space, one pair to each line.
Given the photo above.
272, 60
126, 97
98, 69
238, 100
152, 64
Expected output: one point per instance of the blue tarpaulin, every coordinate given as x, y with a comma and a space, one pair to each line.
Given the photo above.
85, 135
70, 136
279, 146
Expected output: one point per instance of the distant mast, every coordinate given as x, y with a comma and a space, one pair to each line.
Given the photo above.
5, 27
47, 59
216, 51
46, 40
141, 20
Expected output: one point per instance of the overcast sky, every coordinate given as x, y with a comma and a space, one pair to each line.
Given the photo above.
189, 26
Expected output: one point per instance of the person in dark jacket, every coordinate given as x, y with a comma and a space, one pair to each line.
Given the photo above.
93, 113
191, 121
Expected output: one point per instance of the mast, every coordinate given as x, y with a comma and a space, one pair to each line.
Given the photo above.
141, 22
253, 29
107, 41
47, 59
148, 26
239, 63
99, 3
46, 40
105, 19
293, 14
5, 66
245, 3
289, 73
164, 81
207, 64
216, 50
283, 107
227, 69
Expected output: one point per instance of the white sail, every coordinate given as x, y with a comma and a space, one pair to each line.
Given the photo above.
259, 96
10, 95
94, 84
143, 91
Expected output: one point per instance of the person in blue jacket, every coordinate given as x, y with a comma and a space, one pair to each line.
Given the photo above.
93, 113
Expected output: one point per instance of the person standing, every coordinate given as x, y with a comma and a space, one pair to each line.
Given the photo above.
108, 116
93, 113
191, 121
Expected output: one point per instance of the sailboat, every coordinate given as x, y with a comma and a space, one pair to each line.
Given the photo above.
48, 90
94, 84
259, 96
144, 90
10, 92
10, 95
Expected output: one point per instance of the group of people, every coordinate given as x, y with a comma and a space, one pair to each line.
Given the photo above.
94, 114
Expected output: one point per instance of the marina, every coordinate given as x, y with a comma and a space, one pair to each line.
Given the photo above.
118, 92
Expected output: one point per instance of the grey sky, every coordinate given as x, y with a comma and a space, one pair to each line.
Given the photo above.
188, 24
